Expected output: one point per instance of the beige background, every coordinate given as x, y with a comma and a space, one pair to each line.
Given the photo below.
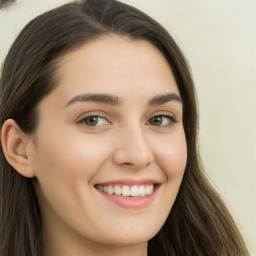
219, 39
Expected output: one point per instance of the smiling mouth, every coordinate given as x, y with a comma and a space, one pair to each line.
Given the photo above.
127, 190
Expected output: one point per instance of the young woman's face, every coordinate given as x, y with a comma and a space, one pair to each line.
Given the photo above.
113, 123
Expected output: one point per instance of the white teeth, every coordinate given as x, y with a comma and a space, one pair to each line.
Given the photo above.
149, 190
118, 190
125, 190
110, 190
142, 190
135, 191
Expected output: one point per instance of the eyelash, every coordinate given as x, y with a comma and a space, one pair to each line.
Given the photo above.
97, 117
170, 121
82, 121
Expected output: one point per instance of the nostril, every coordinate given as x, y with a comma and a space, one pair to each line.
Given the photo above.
133, 152
128, 164
135, 165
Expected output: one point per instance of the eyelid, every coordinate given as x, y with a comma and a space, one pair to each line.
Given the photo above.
170, 116
93, 114
104, 115
85, 117
98, 113
165, 113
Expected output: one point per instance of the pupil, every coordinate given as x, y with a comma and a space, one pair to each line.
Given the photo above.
157, 120
92, 120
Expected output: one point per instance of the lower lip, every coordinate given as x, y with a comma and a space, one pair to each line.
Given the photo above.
131, 202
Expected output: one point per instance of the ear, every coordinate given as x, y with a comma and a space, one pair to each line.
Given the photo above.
15, 143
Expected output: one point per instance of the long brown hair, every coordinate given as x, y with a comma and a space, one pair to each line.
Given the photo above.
199, 224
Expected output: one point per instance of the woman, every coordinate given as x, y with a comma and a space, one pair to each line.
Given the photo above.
99, 141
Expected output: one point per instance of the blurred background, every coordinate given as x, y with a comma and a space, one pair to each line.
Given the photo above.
218, 37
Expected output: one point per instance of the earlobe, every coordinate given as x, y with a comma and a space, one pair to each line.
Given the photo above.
14, 144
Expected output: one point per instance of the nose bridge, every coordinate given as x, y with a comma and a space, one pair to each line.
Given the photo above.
134, 148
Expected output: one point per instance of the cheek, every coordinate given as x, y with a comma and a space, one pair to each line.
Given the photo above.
71, 155
65, 165
171, 156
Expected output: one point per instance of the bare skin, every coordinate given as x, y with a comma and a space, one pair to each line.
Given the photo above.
132, 136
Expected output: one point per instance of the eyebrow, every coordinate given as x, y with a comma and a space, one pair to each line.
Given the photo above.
116, 101
161, 99
95, 97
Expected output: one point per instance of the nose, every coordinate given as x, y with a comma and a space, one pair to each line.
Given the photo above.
133, 150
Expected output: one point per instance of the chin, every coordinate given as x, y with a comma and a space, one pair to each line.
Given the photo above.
131, 237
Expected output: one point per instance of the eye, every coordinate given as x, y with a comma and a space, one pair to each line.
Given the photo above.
162, 120
94, 121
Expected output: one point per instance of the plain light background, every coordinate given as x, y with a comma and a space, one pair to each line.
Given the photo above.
218, 37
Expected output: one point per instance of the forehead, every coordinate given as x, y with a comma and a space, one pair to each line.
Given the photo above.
117, 66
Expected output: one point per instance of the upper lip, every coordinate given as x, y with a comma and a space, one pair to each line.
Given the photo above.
130, 182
